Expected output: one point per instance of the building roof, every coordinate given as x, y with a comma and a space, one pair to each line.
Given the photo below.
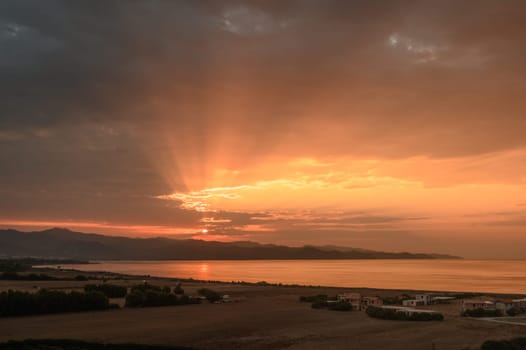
504, 301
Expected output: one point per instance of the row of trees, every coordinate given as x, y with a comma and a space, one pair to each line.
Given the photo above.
210, 295
396, 300
480, 312
178, 289
392, 314
110, 290
323, 301
147, 295
17, 303
96, 297
15, 276
314, 298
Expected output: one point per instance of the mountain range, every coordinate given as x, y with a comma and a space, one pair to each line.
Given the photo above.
64, 243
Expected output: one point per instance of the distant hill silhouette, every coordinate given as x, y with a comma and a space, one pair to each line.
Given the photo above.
63, 243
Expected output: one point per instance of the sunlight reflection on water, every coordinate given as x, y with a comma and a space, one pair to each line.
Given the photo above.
504, 276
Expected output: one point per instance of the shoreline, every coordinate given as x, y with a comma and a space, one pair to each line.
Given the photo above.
279, 284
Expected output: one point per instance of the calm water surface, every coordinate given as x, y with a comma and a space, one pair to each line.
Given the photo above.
502, 276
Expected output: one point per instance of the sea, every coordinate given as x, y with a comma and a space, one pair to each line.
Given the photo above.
492, 276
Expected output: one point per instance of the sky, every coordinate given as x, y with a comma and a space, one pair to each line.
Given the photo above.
387, 125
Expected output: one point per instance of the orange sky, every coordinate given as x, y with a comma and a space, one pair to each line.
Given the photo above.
391, 126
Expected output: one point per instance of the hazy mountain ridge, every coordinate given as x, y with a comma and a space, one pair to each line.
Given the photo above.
63, 243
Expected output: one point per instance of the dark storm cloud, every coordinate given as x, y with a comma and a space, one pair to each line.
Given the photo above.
81, 83
93, 60
69, 61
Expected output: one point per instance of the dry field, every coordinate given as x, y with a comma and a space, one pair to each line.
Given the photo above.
265, 317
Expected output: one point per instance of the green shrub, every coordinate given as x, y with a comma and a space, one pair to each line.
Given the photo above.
209, 294
513, 312
110, 290
319, 304
178, 289
314, 298
396, 300
16, 303
156, 297
513, 344
464, 295
341, 305
146, 287
481, 313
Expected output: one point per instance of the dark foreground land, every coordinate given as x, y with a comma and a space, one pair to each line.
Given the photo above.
259, 317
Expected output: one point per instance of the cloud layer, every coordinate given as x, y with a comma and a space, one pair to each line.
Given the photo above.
391, 125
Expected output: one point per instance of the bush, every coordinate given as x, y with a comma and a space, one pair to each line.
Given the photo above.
392, 314
150, 298
146, 287
209, 294
16, 303
156, 296
63, 344
397, 300
81, 278
341, 305
110, 290
319, 304
513, 344
513, 312
178, 289
464, 295
481, 313
314, 298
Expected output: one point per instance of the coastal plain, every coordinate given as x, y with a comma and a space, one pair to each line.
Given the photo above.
258, 317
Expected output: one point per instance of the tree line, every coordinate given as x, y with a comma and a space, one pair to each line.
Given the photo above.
96, 297
148, 295
18, 303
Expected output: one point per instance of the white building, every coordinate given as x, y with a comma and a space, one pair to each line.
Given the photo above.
358, 302
424, 298
355, 299
412, 302
371, 301
519, 304
504, 305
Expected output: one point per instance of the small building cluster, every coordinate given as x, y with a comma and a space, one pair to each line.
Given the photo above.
427, 299
359, 302
494, 304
